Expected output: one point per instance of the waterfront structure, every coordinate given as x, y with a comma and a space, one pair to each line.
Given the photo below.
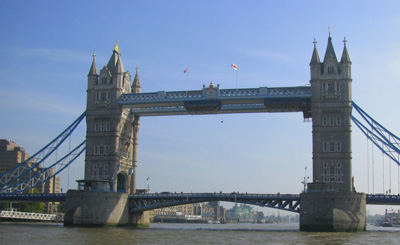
331, 203
111, 134
114, 107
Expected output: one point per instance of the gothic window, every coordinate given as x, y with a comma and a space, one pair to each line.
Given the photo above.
103, 80
331, 121
324, 121
339, 165
325, 147
96, 127
101, 150
107, 150
325, 165
96, 150
107, 126
338, 147
331, 87
338, 121
331, 147
100, 171
331, 70
332, 179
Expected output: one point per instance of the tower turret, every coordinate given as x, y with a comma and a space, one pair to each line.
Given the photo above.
315, 64
345, 62
136, 87
93, 75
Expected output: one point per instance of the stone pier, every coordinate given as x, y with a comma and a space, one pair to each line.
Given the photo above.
89, 208
332, 211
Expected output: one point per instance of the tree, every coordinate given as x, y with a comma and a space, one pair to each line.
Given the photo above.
32, 207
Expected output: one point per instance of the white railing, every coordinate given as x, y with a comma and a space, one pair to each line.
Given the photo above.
31, 216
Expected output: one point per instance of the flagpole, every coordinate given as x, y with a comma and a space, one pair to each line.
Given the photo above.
187, 75
236, 80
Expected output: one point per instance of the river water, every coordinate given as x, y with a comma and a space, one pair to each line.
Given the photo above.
34, 233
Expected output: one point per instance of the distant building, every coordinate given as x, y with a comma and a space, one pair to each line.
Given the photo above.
200, 211
242, 213
11, 155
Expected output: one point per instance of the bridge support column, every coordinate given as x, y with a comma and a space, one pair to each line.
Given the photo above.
87, 208
332, 211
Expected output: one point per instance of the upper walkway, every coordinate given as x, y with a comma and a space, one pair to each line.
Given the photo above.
213, 100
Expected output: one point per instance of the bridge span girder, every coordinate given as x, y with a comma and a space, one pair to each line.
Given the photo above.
144, 202
212, 100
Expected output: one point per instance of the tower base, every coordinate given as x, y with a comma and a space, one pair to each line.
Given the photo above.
87, 208
332, 212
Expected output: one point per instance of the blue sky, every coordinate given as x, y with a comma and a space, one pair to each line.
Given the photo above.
46, 52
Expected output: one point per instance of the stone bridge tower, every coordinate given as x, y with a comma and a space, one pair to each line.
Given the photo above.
111, 136
331, 106
331, 203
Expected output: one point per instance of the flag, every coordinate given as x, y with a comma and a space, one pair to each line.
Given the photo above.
186, 70
234, 66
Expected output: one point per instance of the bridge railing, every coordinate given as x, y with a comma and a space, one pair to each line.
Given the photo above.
215, 194
31, 216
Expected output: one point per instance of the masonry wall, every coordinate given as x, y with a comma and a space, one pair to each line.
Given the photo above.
86, 208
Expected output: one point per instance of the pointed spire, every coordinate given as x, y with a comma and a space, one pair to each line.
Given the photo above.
114, 58
119, 67
330, 51
345, 54
136, 87
315, 56
93, 68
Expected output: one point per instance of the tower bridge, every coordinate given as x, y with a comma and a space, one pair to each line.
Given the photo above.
108, 195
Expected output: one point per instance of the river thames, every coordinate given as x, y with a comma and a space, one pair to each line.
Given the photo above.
22, 233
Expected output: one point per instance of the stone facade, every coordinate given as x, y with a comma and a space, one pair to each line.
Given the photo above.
83, 209
333, 211
111, 136
331, 106
331, 203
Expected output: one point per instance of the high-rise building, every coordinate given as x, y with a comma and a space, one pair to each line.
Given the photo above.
11, 155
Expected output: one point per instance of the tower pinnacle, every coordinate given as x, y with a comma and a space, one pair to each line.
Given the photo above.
93, 68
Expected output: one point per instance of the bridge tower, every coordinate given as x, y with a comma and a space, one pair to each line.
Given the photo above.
111, 151
111, 130
331, 203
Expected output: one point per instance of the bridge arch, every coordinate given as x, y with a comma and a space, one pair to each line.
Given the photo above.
122, 182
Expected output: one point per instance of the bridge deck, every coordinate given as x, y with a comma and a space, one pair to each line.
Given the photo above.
212, 100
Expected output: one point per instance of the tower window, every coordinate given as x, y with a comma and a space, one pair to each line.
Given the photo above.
338, 121
324, 121
103, 80
331, 87
331, 70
